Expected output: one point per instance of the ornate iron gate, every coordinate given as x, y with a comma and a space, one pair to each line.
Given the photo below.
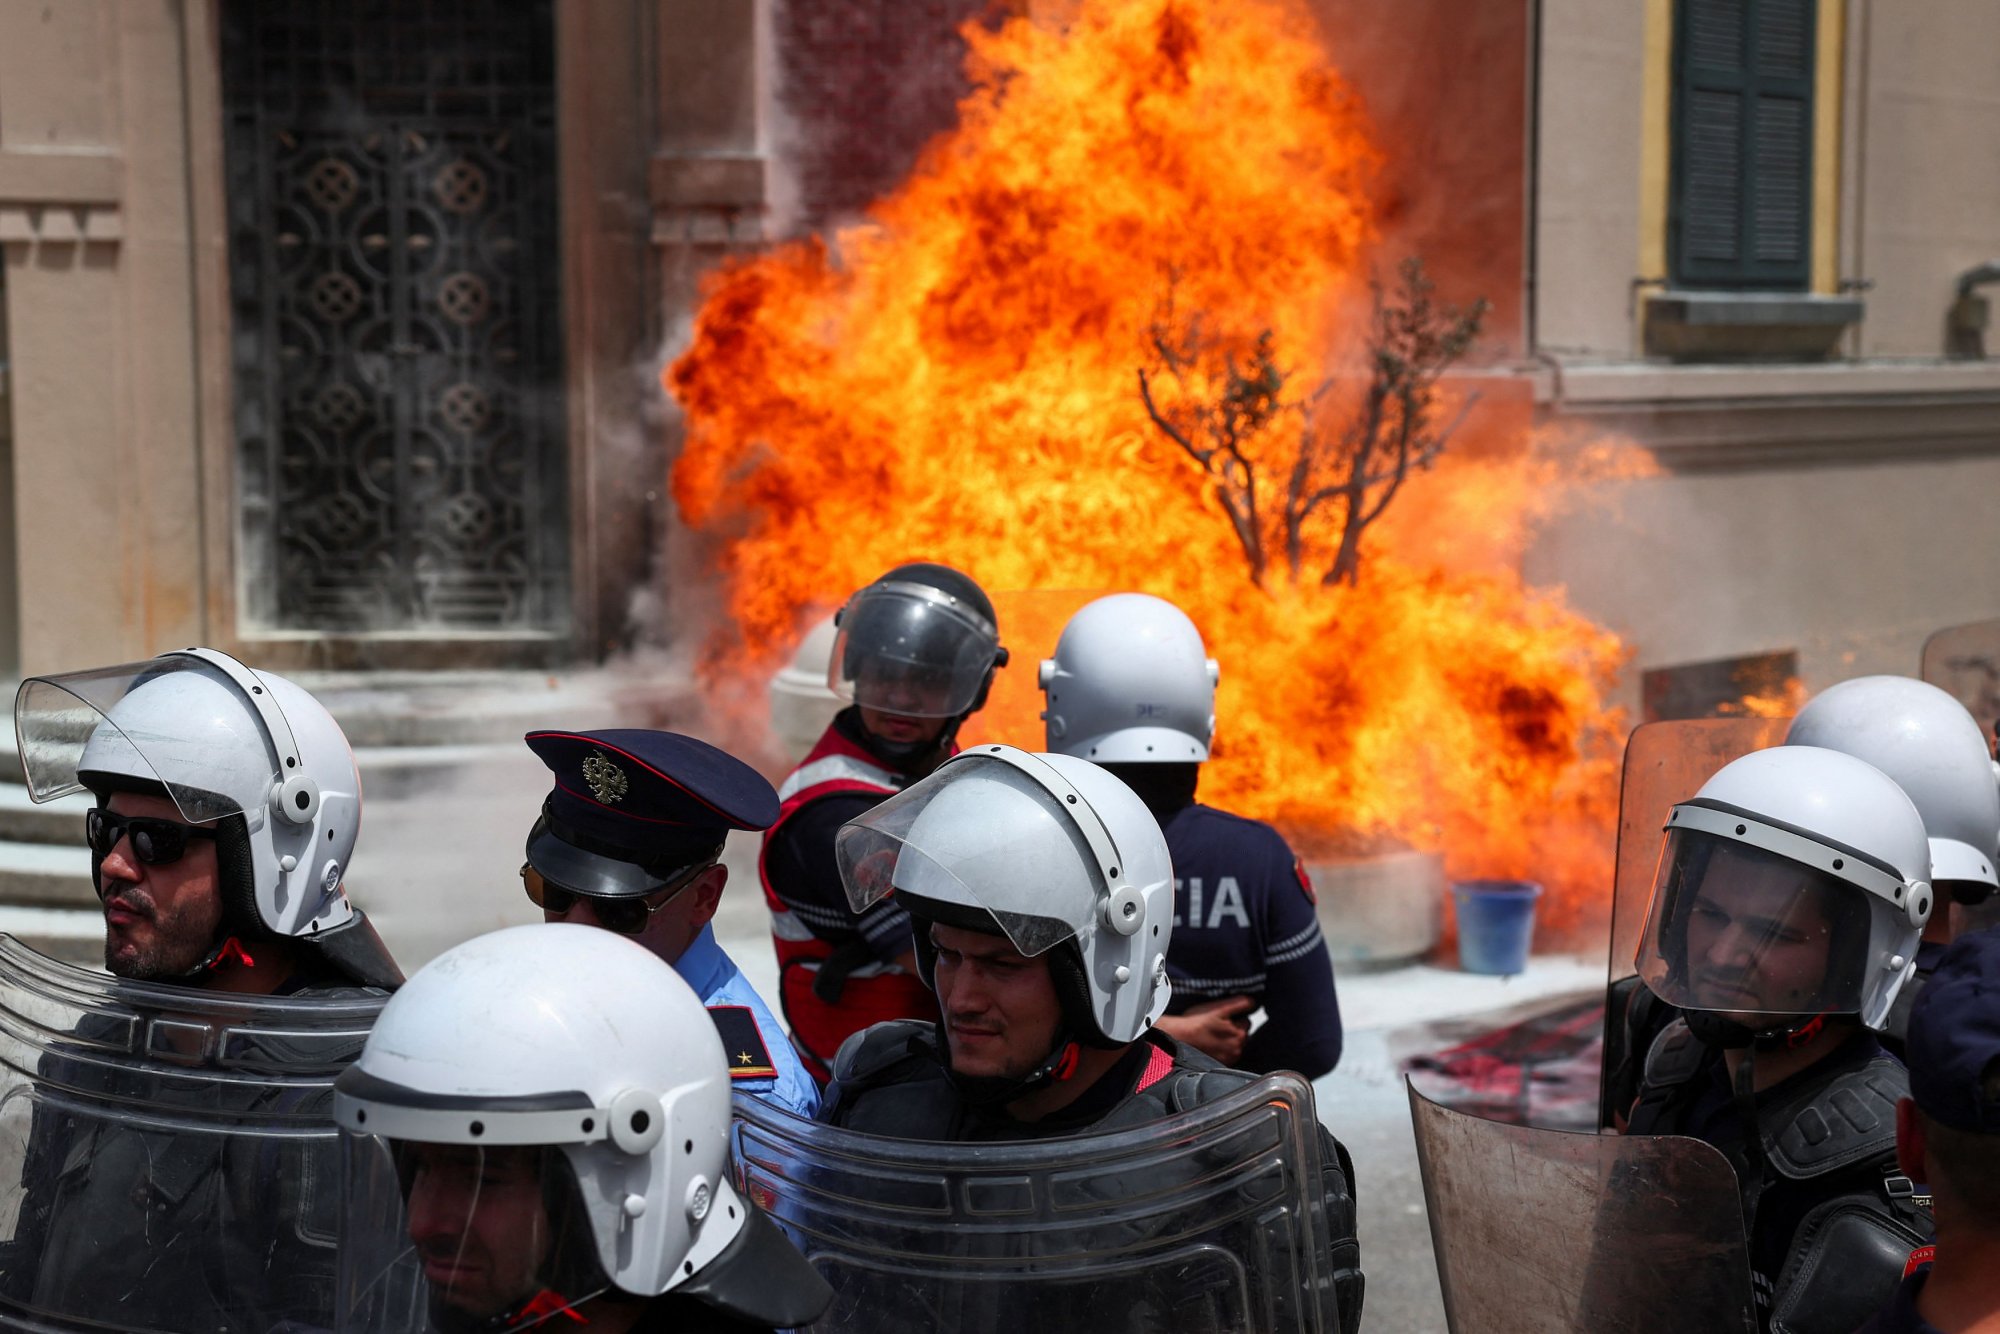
398, 350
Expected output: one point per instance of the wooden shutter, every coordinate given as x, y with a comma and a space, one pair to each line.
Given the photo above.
1740, 211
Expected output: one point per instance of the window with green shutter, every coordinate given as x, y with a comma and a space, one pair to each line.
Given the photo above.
1740, 200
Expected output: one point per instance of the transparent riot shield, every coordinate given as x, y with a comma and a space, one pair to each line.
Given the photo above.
168, 1160
1544, 1230
1207, 1221
1964, 661
1665, 763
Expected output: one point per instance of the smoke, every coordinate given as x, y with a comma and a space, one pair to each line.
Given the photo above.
1444, 87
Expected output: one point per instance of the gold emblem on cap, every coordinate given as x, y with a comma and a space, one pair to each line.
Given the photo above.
607, 781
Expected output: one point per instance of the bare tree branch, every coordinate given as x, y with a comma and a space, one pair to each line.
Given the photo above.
1228, 406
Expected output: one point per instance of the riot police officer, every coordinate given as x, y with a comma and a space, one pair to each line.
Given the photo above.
1042, 894
1131, 687
915, 655
227, 807
1784, 920
629, 839
537, 1135
1925, 740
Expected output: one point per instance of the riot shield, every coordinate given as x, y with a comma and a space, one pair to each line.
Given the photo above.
1665, 763
168, 1160
1206, 1221
1546, 1230
1964, 661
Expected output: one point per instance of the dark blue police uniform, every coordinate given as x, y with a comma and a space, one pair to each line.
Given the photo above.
1953, 1049
633, 815
1246, 924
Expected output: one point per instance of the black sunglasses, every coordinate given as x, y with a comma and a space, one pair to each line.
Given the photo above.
154, 842
626, 914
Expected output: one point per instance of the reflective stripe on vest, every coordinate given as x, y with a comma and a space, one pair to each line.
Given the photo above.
836, 769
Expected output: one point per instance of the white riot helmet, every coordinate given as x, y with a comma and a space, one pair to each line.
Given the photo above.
1794, 884
580, 1057
221, 741
1131, 683
1054, 852
1925, 740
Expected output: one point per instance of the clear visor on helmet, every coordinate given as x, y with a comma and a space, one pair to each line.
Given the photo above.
987, 834
460, 1236
1739, 928
912, 650
179, 723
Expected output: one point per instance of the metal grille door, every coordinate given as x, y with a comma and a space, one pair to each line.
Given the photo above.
398, 351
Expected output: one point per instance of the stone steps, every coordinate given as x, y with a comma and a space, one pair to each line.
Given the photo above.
46, 875
22, 821
70, 935
439, 753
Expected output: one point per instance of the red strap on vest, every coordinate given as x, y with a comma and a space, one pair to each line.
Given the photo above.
1158, 1066
548, 1302
233, 946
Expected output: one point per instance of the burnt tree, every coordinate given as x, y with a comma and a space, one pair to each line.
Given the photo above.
1230, 415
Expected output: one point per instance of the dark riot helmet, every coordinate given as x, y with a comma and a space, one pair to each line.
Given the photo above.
921, 641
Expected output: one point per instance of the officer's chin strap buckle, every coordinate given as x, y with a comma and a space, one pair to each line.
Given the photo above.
1798, 1037
1903, 1192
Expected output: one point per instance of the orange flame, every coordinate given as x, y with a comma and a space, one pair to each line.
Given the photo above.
954, 380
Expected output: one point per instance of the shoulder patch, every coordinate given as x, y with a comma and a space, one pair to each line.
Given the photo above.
742, 1042
1305, 881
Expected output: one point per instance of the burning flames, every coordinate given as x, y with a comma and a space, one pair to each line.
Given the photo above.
953, 379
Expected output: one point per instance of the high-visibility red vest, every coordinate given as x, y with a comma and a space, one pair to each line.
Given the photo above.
870, 991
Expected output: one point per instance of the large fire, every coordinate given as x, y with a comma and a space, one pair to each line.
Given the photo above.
954, 379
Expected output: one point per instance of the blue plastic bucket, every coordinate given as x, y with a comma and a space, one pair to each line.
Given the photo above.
1496, 922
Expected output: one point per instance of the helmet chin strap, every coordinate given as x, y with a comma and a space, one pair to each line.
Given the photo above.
1718, 1031
997, 1090
229, 946
907, 756
541, 1310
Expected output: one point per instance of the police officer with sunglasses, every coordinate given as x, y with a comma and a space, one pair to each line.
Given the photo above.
630, 839
178, 1166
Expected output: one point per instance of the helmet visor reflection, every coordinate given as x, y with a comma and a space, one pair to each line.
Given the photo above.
455, 1235
1738, 929
908, 649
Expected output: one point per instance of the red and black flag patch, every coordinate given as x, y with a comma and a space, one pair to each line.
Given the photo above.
742, 1042
1305, 881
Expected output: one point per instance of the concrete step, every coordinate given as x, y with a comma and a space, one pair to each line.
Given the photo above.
424, 709
70, 935
22, 821
46, 875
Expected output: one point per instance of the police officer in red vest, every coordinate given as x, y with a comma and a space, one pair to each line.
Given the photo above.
915, 654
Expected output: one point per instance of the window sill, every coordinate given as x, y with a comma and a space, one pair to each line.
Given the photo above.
1722, 416
1747, 326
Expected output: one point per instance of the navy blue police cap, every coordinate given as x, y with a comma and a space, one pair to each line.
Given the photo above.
631, 809
1953, 1047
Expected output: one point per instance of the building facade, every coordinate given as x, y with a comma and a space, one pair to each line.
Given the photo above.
330, 333
1757, 231
331, 329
